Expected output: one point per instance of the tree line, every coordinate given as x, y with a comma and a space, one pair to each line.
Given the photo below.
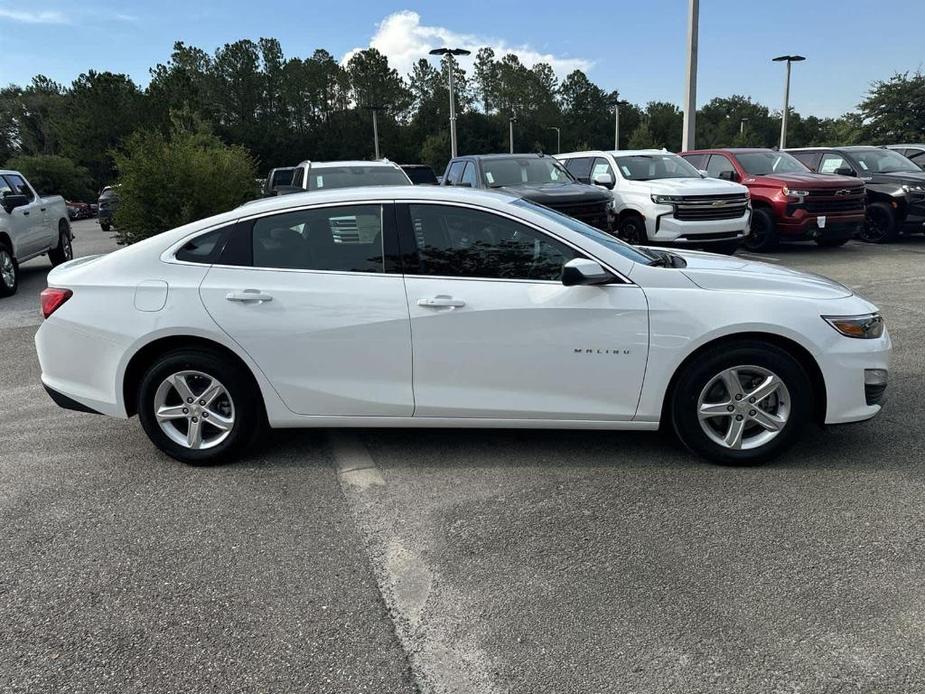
282, 110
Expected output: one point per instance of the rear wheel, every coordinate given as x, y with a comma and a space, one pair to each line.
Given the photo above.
65, 250
880, 226
9, 272
198, 407
762, 237
743, 404
632, 229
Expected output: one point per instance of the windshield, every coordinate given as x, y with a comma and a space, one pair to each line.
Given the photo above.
515, 171
883, 161
765, 163
637, 255
650, 167
353, 176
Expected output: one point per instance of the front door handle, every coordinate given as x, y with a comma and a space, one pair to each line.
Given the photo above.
441, 301
25, 213
248, 296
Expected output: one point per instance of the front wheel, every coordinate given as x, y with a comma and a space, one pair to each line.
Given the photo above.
880, 226
763, 236
632, 229
105, 226
9, 272
65, 250
742, 404
198, 407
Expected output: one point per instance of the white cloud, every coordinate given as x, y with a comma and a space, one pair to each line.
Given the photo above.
33, 16
403, 39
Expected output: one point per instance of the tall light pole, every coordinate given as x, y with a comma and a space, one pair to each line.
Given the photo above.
783, 121
375, 110
558, 139
616, 125
451, 52
690, 90
510, 131
742, 122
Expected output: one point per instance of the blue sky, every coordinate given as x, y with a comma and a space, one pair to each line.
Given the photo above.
636, 46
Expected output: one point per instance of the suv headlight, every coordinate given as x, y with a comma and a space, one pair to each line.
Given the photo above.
866, 327
796, 193
666, 199
917, 188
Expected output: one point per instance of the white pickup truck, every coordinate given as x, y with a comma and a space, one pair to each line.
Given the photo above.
660, 198
30, 225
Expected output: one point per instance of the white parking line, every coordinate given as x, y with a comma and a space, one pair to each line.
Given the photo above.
355, 465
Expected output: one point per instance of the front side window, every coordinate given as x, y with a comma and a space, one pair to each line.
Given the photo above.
650, 167
832, 162
454, 174
516, 171
463, 242
768, 163
601, 166
580, 168
469, 175
19, 186
345, 239
324, 178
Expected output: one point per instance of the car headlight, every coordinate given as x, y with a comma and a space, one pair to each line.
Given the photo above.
795, 193
917, 188
866, 327
666, 199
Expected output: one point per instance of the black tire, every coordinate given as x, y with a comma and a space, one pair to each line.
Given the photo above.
247, 413
832, 243
632, 229
65, 251
105, 226
724, 248
9, 271
685, 401
880, 225
763, 237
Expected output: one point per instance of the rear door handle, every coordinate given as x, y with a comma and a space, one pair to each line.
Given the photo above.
25, 213
441, 301
249, 296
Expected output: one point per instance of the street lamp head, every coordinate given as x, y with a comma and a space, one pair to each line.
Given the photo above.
450, 51
788, 58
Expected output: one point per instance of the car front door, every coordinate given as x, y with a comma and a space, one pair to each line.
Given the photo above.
27, 221
316, 299
497, 335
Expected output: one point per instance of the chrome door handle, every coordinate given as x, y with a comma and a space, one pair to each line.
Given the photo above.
249, 295
441, 301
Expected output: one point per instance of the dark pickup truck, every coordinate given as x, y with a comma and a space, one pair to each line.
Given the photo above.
895, 186
535, 177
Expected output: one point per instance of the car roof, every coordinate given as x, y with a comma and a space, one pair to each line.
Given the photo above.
907, 144
845, 148
614, 152
534, 155
353, 162
731, 150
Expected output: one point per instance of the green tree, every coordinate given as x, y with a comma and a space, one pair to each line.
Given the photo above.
894, 110
167, 181
53, 175
642, 138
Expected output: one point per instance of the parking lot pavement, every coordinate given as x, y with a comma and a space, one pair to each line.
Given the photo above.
23, 307
491, 561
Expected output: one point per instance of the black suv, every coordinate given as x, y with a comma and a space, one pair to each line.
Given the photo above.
535, 177
895, 186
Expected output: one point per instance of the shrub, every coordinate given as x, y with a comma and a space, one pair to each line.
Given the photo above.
165, 182
53, 175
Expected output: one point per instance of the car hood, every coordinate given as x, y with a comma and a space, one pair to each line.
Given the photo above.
694, 186
899, 177
729, 273
559, 193
812, 181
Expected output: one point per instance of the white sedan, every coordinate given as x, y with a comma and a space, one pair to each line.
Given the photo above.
442, 307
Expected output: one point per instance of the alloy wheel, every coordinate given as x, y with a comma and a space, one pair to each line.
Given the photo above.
66, 246
194, 410
744, 407
7, 269
876, 226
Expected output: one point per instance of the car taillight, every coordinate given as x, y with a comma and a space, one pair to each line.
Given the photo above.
52, 298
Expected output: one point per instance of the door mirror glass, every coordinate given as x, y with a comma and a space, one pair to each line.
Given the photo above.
845, 171
729, 175
13, 200
605, 180
584, 271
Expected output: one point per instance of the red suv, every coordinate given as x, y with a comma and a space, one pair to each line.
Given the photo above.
790, 202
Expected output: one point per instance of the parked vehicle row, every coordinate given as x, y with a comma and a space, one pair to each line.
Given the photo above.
30, 226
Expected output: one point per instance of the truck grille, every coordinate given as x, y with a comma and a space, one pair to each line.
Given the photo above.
831, 201
596, 215
700, 208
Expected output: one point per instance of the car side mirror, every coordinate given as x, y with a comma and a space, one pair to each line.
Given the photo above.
845, 171
581, 271
13, 200
729, 175
604, 180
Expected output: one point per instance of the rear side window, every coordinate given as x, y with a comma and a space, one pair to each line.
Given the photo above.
718, 164
808, 159
19, 186
205, 248
695, 160
345, 239
468, 175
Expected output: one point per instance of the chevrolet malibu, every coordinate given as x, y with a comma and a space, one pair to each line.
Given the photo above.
443, 307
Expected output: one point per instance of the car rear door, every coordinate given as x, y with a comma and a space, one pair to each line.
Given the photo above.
315, 297
497, 335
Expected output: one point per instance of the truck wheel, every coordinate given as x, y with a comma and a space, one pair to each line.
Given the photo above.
632, 229
880, 226
105, 226
9, 272
65, 251
763, 237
